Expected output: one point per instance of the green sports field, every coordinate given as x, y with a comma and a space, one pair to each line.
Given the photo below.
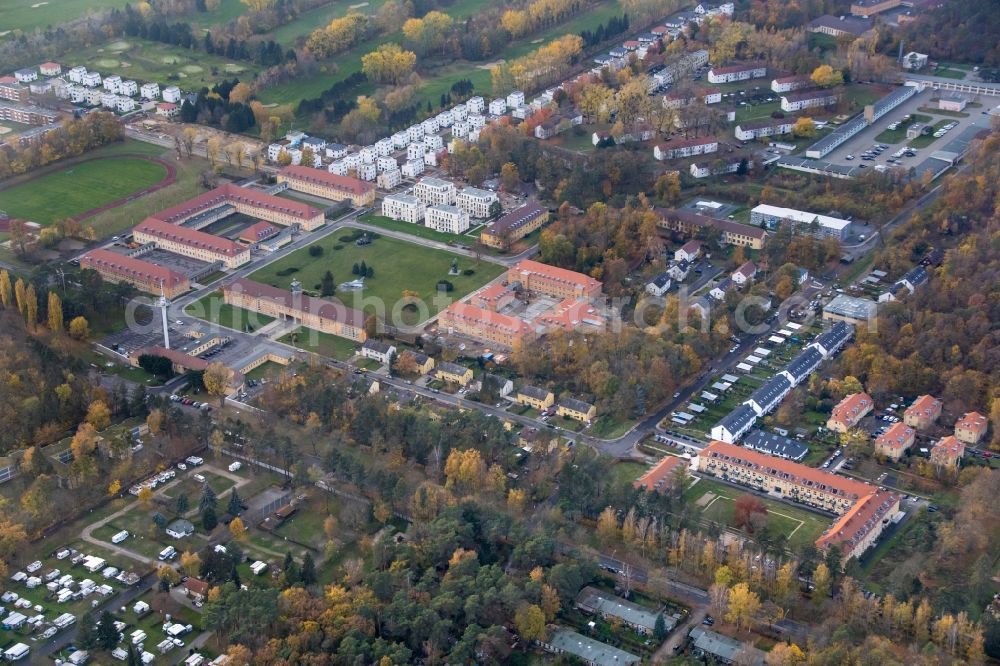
397, 265
79, 188
27, 15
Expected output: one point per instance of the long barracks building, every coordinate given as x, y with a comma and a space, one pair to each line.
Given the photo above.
328, 185
145, 276
191, 243
254, 203
862, 511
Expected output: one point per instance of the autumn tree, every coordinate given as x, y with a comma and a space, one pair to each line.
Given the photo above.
145, 496
743, 606
55, 312
216, 379
822, 579
31, 307
607, 525
6, 291
167, 576
530, 622
114, 488
154, 421
238, 529
79, 329
804, 127
190, 563
465, 471
749, 513
99, 415
388, 63
825, 76
84, 441
510, 178
12, 538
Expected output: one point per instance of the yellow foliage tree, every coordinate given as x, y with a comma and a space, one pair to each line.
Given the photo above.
114, 487
804, 127
216, 379
388, 63
743, 606
84, 441
55, 313
238, 529
825, 76
79, 328
99, 415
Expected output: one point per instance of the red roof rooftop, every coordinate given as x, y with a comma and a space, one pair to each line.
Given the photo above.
258, 232
325, 178
228, 194
136, 268
660, 475
321, 307
190, 237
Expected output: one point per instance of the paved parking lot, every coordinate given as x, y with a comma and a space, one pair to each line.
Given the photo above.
865, 139
183, 265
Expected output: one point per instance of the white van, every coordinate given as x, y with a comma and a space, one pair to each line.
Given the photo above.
235, 466
199, 478
167, 553
121, 536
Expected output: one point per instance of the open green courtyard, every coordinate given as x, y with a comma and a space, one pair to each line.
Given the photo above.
79, 188
397, 266
717, 502
324, 344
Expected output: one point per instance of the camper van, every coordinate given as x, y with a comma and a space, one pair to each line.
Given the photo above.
167, 553
16, 653
121, 536
235, 467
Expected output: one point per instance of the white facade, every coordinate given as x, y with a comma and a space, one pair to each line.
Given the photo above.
368, 155
336, 151
473, 135
386, 164
522, 112
433, 142
129, 88
415, 151
475, 105
477, 122
383, 147
445, 119
460, 112
498, 107
91, 79
109, 100
460, 129
125, 104
515, 99
26, 75
791, 103
400, 139
404, 207
389, 179
430, 126
435, 191
339, 168
273, 151
447, 219
113, 83
76, 74
476, 202
93, 96
150, 91
412, 168
367, 172
415, 132
736, 73
172, 94
751, 131
77, 94
352, 160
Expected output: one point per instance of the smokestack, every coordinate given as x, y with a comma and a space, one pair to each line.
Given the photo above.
163, 317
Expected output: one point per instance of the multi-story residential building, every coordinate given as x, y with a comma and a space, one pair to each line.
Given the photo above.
733, 233
808, 99
841, 26
776, 445
257, 233
128, 88
719, 167
494, 297
50, 69
434, 191
744, 273
678, 99
416, 150
171, 94
863, 510
378, 351
895, 441
167, 110
109, 100
404, 207
734, 425
144, 276
498, 107
366, 172
91, 79
151, 91
27, 114
849, 412
947, 453
476, 202
26, 75
578, 410
686, 148
329, 185
769, 395
821, 226
515, 225
433, 142
389, 179
383, 147
740, 72
453, 373
922, 414
326, 316
483, 324
475, 105
971, 428
800, 367
412, 168
830, 341
124, 104
784, 84
571, 314
607, 606
660, 476
191, 243
76, 74
254, 203
446, 219
535, 397
112, 83
553, 281
751, 130
12, 90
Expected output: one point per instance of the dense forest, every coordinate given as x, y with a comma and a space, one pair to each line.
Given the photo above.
960, 30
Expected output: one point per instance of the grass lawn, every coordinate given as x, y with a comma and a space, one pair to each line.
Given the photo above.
758, 112
927, 139
610, 427
800, 526
898, 135
268, 369
398, 265
580, 141
80, 187
949, 73
626, 472
408, 228
212, 308
26, 16
324, 344
144, 60
308, 21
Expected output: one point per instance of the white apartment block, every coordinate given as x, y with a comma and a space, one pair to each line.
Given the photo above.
476, 202
352, 160
404, 207
296, 155
807, 100
460, 129
515, 99
338, 168
383, 147
473, 135
150, 91
498, 107
736, 73
433, 142
447, 219
368, 155
434, 191
273, 151
76, 74
522, 112
764, 128
460, 112
124, 104
172, 94
129, 88
415, 132
412, 168
389, 179
367, 172
336, 151
384, 164
93, 96
477, 122
400, 139
91, 79
416, 150
113, 83
76, 94
109, 100
475, 105
445, 119
430, 125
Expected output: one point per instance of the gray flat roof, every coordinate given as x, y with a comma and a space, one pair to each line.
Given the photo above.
591, 651
606, 603
775, 445
849, 306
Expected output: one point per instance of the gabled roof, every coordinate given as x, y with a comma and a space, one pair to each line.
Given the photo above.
804, 363
848, 409
738, 419
327, 179
836, 335
747, 270
972, 421
576, 405
898, 436
916, 276
775, 445
770, 391
137, 269
535, 392
451, 368
377, 346
326, 309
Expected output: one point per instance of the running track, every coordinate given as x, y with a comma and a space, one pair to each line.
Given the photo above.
167, 180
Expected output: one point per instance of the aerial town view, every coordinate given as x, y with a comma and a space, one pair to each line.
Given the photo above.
437, 332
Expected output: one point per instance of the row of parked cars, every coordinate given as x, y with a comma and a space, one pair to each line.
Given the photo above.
204, 406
